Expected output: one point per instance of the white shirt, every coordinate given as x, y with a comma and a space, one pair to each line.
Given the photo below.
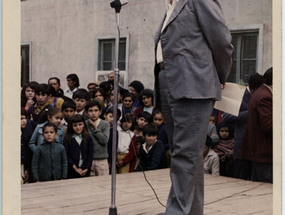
124, 140
169, 10
68, 93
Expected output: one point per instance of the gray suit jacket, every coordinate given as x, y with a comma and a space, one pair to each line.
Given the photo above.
196, 49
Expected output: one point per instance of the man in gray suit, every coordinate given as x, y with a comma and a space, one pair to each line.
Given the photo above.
193, 58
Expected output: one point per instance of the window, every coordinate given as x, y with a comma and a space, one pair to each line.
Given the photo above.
107, 54
106, 59
25, 64
246, 58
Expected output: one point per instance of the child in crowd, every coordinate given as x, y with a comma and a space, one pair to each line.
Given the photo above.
213, 119
224, 149
128, 101
126, 149
162, 135
108, 116
211, 159
28, 95
26, 153
146, 102
51, 115
212, 131
49, 159
143, 118
68, 109
73, 84
54, 101
79, 147
42, 102
135, 89
99, 131
80, 98
152, 153
100, 96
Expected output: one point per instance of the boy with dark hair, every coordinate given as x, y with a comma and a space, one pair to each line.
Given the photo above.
151, 153
99, 131
143, 118
80, 98
68, 109
42, 102
49, 159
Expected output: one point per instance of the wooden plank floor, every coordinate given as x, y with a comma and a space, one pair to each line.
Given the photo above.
134, 196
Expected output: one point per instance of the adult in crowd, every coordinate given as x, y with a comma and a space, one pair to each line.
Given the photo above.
135, 88
257, 142
73, 84
242, 167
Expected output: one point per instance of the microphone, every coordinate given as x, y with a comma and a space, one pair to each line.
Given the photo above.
117, 4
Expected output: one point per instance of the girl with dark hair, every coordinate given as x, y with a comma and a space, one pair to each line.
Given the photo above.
28, 95
79, 147
51, 115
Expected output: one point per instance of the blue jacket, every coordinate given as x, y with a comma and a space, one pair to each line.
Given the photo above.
154, 159
49, 162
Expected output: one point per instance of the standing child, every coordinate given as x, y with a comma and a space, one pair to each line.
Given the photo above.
51, 115
49, 159
99, 130
42, 102
79, 148
143, 119
126, 149
152, 153
68, 109
80, 98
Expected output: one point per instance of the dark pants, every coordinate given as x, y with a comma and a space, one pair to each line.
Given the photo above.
186, 123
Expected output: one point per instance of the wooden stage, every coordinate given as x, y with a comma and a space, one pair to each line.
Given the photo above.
134, 196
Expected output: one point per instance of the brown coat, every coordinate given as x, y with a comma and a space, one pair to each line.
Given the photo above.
257, 140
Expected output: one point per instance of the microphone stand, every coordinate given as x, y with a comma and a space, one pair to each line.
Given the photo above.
113, 208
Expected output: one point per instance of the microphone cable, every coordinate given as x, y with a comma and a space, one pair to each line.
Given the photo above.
136, 156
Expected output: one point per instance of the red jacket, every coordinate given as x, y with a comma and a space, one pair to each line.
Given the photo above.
257, 141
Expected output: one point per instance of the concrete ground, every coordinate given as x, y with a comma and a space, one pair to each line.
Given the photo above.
134, 196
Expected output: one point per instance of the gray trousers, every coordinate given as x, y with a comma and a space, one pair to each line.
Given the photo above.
186, 123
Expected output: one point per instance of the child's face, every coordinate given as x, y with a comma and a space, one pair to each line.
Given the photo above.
41, 99
67, 113
128, 102
49, 134
126, 125
78, 127
109, 117
213, 120
112, 97
133, 91
147, 101
56, 118
142, 122
80, 104
29, 93
70, 83
224, 132
150, 139
23, 121
158, 119
99, 97
93, 113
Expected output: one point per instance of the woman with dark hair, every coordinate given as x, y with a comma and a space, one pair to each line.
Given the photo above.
73, 84
146, 102
28, 95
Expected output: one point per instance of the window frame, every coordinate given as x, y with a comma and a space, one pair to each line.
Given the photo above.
123, 73
29, 44
258, 28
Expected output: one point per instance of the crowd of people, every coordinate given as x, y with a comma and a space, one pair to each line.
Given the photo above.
68, 133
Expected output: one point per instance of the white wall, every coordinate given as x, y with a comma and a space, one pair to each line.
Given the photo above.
63, 34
